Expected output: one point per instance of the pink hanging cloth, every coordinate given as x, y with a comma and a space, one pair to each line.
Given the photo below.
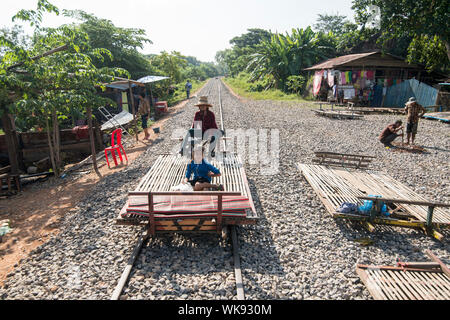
317, 82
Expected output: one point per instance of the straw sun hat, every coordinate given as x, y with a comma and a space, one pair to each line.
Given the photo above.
203, 101
411, 100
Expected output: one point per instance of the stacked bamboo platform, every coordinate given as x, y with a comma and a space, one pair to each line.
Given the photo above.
335, 185
189, 211
338, 114
407, 281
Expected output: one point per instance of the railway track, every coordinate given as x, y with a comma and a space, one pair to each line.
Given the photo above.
144, 236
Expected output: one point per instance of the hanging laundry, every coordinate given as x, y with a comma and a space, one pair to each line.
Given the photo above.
343, 77
317, 82
354, 76
348, 77
331, 79
370, 74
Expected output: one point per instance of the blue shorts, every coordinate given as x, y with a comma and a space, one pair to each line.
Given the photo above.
144, 118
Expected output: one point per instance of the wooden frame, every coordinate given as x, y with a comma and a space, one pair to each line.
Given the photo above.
337, 185
407, 280
169, 170
150, 195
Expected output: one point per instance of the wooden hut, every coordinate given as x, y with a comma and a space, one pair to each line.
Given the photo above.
365, 78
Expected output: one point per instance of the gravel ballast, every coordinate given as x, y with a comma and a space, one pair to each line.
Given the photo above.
296, 251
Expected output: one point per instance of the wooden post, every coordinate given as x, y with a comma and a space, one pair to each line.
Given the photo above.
92, 141
430, 217
151, 217
219, 213
134, 110
12, 142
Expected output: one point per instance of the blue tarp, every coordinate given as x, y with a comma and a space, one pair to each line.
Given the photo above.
397, 95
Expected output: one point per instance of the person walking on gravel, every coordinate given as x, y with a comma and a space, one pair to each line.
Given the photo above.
203, 171
390, 133
144, 111
188, 87
414, 112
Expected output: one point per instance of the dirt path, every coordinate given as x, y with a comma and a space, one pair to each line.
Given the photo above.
36, 212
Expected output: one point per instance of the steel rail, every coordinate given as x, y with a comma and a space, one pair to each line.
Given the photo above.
143, 237
234, 238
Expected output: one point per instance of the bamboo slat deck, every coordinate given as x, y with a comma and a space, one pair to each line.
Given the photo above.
168, 171
407, 281
338, 114
337, 185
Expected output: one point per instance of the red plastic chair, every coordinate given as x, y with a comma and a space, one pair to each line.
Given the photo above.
116, 146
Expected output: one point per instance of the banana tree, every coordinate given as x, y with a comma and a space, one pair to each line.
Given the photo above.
285, 55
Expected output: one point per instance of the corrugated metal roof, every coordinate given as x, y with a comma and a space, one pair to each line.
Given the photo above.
331, 63
372, 59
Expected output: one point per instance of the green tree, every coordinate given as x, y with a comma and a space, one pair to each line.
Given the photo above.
44, 85
169, 64
331, 23
287, 55
121, 42
419, 20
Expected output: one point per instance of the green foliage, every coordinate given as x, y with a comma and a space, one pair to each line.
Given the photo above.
251, 39
295, 84
430, 51
425, 22
243, 87
235, 60
122, 43
331, 23
43, 91
286, 55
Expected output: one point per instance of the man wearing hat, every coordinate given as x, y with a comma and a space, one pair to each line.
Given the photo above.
204, 120
414, 112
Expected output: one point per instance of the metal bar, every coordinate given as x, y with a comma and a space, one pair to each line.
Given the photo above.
444, 268
151, 216
413, 202
183, 193
219, 213
237, 265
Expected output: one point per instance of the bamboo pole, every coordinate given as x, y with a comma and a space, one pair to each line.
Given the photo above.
50, 145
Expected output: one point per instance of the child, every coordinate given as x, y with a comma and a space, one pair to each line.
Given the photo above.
203, 172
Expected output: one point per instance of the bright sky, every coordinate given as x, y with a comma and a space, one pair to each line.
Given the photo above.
196, 28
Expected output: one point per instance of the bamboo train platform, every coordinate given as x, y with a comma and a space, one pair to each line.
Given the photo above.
338, 114
407, 280
152, 203
336, 185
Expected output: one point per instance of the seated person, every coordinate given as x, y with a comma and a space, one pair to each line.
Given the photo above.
205, 120
390, 133
203, 172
